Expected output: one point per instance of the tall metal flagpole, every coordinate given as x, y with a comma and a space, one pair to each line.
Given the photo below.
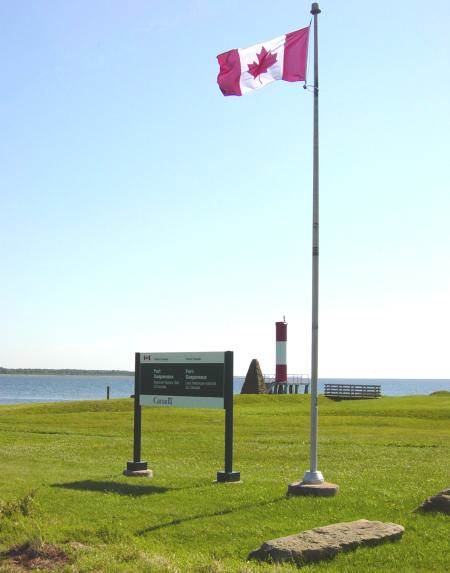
313, 482
313, 475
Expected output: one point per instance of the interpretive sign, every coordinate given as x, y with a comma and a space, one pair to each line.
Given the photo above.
182, 379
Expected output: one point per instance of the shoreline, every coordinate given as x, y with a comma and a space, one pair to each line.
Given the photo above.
126, 373
62, 372
33, 388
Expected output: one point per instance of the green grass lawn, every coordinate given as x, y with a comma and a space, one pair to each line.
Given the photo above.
387, 456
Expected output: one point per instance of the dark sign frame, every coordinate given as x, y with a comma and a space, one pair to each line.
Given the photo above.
138, 466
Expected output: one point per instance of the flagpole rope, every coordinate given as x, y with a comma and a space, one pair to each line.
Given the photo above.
306, 85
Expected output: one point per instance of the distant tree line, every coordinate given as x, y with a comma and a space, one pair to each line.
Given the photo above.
65, 371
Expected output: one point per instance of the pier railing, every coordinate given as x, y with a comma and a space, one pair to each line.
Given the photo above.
352, 391
296, 384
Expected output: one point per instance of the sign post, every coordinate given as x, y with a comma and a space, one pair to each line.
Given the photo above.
228, 475
137, 467
184, 380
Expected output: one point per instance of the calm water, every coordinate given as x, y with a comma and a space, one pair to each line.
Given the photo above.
15, 389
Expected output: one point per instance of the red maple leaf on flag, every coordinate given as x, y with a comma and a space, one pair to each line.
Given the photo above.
265, 60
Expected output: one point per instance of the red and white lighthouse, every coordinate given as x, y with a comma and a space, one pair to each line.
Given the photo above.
280, 352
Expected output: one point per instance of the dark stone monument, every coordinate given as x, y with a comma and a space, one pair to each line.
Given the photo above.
254, 381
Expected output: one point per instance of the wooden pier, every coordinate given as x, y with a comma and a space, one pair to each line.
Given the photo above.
352, 391
296, 384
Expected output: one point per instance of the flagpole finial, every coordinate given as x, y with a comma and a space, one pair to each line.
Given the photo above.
315, 8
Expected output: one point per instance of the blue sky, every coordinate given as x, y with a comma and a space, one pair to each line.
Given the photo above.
143, 211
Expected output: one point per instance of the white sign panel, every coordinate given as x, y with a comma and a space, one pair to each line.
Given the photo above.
180, 401
182, 357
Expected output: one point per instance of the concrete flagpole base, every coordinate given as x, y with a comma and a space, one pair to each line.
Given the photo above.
323, 489
313, 484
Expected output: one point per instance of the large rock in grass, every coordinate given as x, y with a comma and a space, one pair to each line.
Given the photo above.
438, 502
326, 542
254, 381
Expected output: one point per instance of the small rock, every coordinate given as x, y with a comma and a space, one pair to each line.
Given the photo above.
326, 542
438, 502
77, 545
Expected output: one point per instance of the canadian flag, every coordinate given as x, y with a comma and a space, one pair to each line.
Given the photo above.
247, 69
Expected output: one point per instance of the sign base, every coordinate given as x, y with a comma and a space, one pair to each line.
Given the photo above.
137, 469
224, 477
